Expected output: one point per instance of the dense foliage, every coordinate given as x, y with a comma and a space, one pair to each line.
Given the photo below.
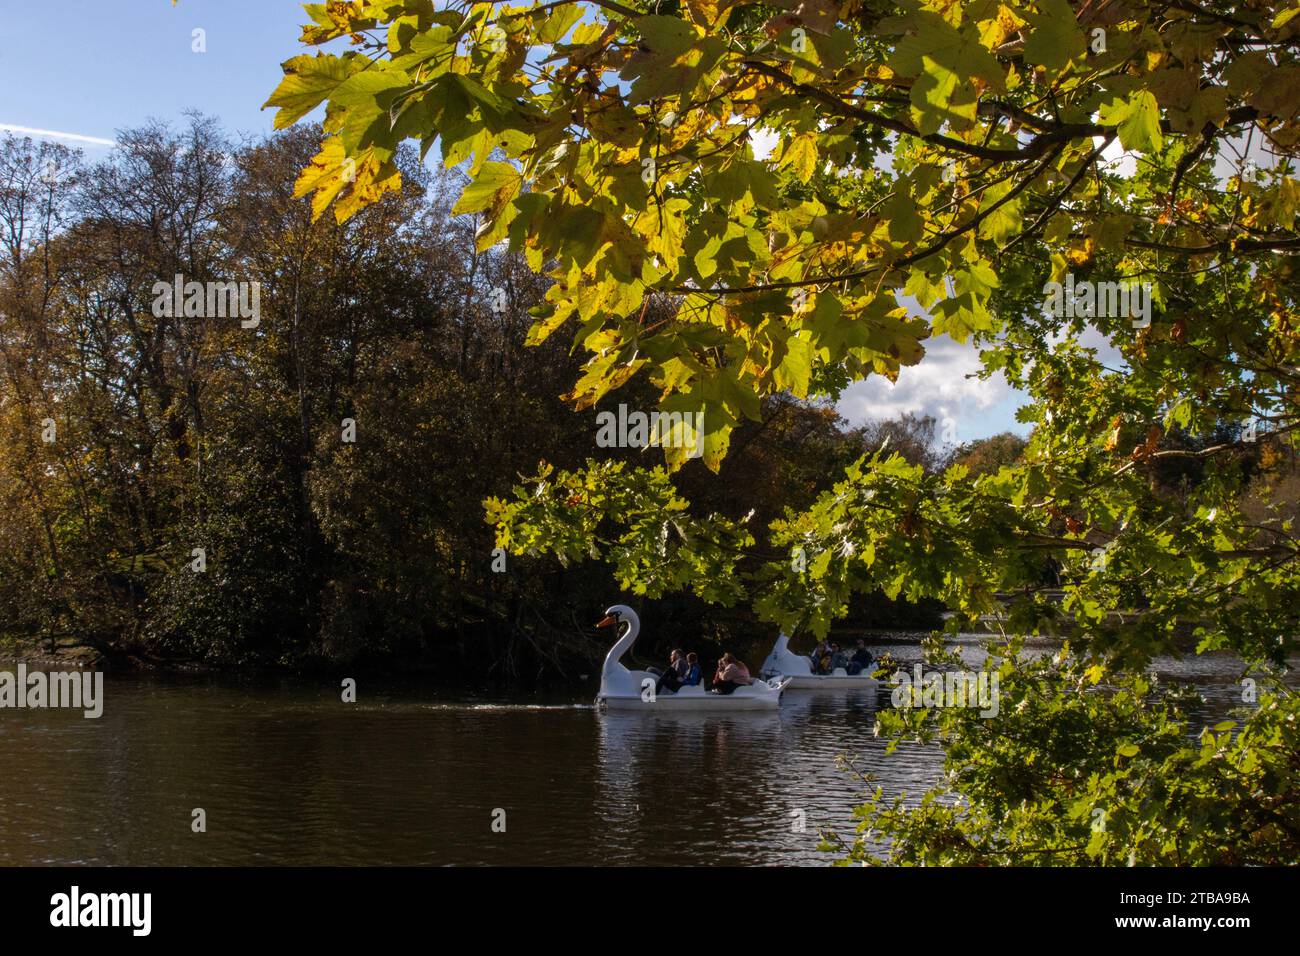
136, 437
729, 198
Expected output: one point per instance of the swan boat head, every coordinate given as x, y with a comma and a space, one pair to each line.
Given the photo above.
615, 679
616, 616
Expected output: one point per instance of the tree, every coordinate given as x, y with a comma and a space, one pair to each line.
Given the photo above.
910, 435
956, 152
139, 435
916, 147
987, 455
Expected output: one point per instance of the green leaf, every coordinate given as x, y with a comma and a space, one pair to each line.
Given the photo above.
905, 223
1004, 221
945, 61
308, 82
795, 368
495, 185
558, 23
1055, 39
1138, 119
667, 36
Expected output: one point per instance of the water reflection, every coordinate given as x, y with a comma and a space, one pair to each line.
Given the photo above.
289, 775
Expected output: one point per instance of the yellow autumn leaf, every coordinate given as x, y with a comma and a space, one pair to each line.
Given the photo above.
1080, 251
801, 155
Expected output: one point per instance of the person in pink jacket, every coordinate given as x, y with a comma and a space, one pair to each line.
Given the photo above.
732, 673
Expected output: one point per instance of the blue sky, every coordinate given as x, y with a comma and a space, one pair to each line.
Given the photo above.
87, 68
92, 67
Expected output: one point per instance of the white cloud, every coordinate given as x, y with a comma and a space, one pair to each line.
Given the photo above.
1115, 159
762, 141
942, 385
55, 134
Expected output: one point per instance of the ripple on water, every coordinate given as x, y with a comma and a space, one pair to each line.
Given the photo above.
287, 774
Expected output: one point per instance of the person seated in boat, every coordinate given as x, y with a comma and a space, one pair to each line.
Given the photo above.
861, 659
693, 675
673, 678
732, 673
839, 659
820, 657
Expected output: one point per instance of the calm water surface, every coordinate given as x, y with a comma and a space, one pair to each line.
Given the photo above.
290, 775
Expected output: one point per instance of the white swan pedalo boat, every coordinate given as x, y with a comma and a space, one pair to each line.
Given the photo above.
797, 670
623, 689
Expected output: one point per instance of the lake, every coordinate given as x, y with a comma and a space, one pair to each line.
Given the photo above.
289, 774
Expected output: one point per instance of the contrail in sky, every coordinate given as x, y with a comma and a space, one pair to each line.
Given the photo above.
55, 134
